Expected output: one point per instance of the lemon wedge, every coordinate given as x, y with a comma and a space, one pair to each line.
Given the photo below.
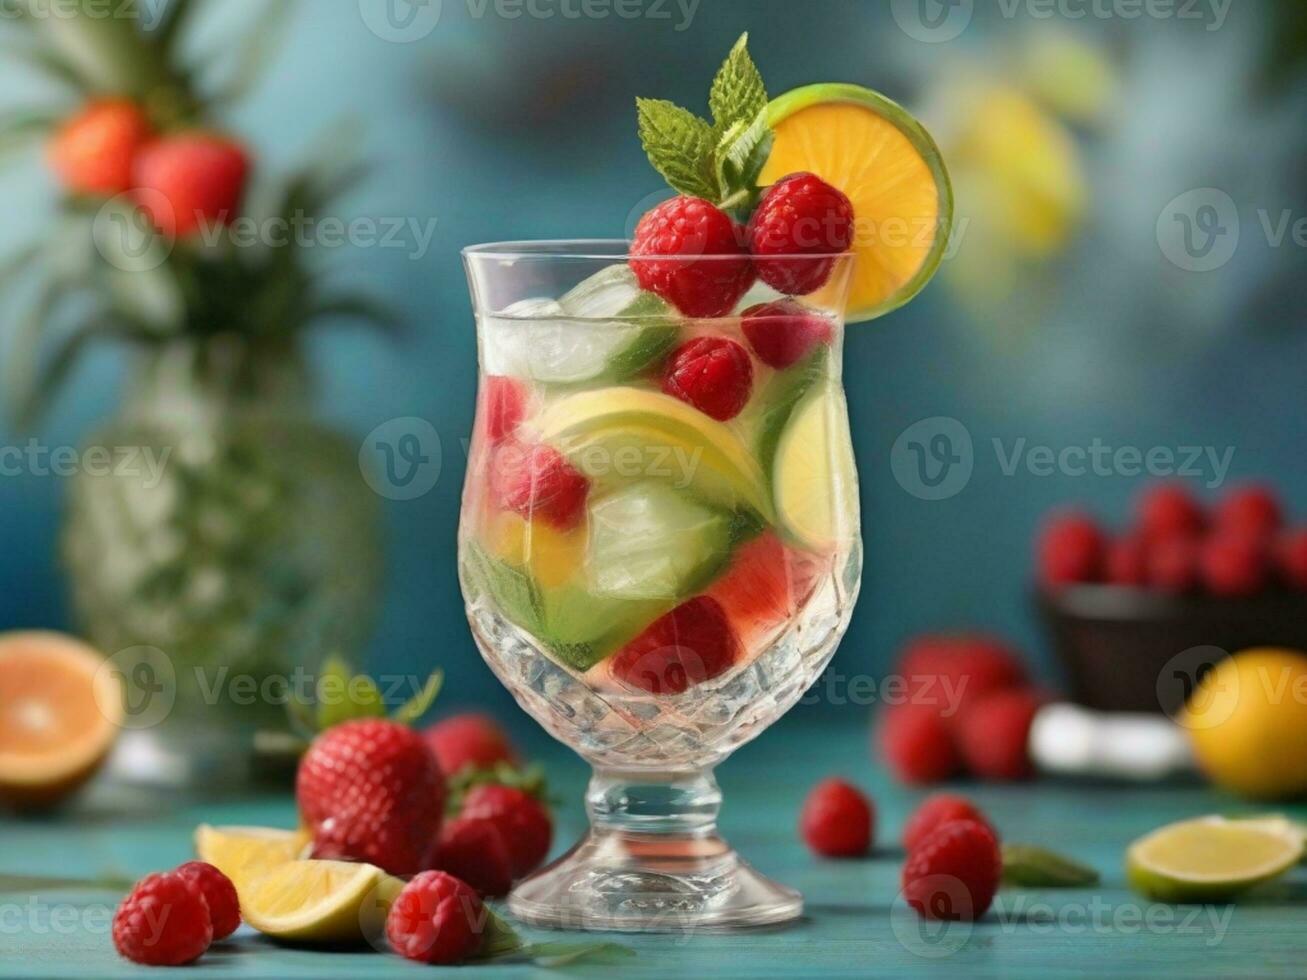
243, 853
323, 902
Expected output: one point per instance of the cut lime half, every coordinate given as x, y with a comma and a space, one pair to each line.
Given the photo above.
1210, 860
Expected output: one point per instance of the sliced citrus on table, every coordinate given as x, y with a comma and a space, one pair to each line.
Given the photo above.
327, 902
60, 709
815, 480
874, 151
246, 853
1210, 860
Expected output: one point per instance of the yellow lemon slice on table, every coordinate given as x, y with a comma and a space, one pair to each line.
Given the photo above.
1210, 860
873, 150
245, 853
320, 901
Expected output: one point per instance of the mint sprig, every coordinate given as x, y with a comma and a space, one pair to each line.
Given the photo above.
720, 160
501, 941
1028, 866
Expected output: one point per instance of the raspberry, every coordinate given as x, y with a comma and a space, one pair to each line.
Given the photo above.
934, 812
800, 215
1292, 554
163, 922
503, 406
693, 643
837, 820
1126, 561
918, 744
371, 790
949, 670
1254, 509
713, 374
219, 894
436, 919
1235, 563
468, 741
186, 180
676, 233
1166, 509
1173, 563
537, 481
93, 152
782, 333
993, 733
953, 873
473, 850
1070, 550
521, 819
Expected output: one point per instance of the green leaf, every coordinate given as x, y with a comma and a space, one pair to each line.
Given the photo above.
530, 780
174, 20
417, 706
20, 128
343, 695
257, 46
738, 93
46, 61
740, 155
501, 941
680, 146
1035, 867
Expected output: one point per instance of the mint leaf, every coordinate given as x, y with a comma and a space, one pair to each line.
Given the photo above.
740, 156
343, 695
738, 93
414, 708
501, 941
1035, 867
680, 146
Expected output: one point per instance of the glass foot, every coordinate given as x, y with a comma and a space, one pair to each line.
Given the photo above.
676, 876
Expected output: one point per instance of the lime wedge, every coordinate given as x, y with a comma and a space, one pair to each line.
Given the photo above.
1210, 859
815, 481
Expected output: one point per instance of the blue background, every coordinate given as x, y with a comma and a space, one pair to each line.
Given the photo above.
524, 128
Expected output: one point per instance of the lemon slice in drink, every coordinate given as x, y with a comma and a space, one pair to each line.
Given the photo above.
320, 901
1210, 860
815, 481
874, 151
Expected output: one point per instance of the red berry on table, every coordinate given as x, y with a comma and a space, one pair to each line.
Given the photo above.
1235, 563
521, 819
799, 218
219, 893
94, 151
1070, 550
1173, 564
474, 851
436, 919
470, 740
693, 643
917, 742
1292, 554
713, 374
948, 670
372, 790
953, 873
782, 333
186, 181
163, 922
837, 820
994, 732
537, 482
503, 406
935, 811
692, 254
1166, 509
1126, 561
1253, 509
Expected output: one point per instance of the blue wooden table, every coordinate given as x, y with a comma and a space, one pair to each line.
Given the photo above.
853, 926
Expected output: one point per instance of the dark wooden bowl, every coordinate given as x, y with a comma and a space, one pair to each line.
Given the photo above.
1126, 649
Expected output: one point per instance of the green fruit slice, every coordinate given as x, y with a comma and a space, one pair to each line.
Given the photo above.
649, 542
616, 436
1209, 860
816, 484
781, 396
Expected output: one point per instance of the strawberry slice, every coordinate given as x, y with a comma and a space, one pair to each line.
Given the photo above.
537, 482
693, 643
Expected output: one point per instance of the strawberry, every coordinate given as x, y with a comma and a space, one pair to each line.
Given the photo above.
537, 482
503, 406
372, 790
474, 851
1173, 563
961, 667
1126, 560
799, 219
1291, 552
1235, 561
918, 743
1166, 509
468, 740
520, 818
693, 643
1070, 550
993, 734
713, 374
188, 180
1254, 509
691, 253
837, 820
784, 332
93, 152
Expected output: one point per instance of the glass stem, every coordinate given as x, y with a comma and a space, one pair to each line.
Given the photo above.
675, 804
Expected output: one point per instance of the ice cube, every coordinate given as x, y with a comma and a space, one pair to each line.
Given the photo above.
505, 340
610, 292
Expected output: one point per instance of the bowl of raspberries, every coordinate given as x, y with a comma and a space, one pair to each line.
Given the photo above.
1186, 574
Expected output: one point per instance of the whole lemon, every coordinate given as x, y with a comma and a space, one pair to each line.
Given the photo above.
1247, 721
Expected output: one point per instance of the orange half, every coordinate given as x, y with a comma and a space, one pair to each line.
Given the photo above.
874, 151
